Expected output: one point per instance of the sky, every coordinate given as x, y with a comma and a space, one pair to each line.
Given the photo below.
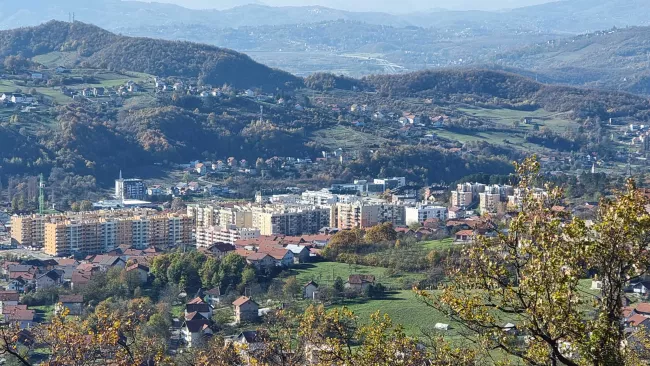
393, 6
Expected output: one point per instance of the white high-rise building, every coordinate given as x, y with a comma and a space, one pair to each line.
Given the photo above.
421, 213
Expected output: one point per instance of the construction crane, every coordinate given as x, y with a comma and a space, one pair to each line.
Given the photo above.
41, 196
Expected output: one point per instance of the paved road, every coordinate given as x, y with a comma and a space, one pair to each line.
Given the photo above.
25, 253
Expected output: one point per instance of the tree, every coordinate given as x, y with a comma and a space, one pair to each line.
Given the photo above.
339, 285
333, 333
209, 273
178, 204
532, 274
85, 205
381, 233
75, 206
248, 277
291, 288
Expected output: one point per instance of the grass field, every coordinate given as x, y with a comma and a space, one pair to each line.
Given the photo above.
507, 118
43, 313
346, 138
404, 308
327, 272
440, 245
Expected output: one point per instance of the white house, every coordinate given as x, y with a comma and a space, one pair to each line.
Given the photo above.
213, 296
194, 331
310, 290
17, 98
49, 279
17, 284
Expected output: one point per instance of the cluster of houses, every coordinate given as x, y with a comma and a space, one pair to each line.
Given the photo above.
15, 313
16, 98
268, 252
37, 275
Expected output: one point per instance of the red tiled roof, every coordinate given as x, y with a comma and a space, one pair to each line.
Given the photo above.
643, 307
637, 319
358, 279
137, 266
256, 256
243, 252
66, 299
276, 253
81, 277
21, 315
243, 300
465, 233
11, 308
196, 300
9, 296
67, 262
27, 276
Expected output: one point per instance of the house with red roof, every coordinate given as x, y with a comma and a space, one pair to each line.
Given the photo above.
465, 236
246, 309
260, 260
141, 270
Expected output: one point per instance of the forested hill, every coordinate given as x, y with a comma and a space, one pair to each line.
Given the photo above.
96, 47
615, 58
503, 89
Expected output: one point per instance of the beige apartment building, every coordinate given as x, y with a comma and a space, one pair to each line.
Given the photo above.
366, 214
209, 215
101, 231
28, 230
206, 236
289, 220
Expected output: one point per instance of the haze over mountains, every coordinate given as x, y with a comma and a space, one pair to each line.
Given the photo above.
535, 41
389, 6
572, 16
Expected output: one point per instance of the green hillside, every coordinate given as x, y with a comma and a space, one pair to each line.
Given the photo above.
91, 46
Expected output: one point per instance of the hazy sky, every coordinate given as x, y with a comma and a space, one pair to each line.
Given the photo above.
396, 6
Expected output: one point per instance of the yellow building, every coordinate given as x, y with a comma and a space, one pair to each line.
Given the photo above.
102, 231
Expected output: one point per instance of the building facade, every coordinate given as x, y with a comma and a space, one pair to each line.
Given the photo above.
206, 236
130, 189
421, 213
101, 231
289, 219
366, 214
494, 198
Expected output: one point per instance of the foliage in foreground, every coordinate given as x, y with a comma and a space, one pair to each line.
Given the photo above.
529, 276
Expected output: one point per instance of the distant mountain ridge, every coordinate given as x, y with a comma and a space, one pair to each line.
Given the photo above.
568, 16
99, 48
615, 58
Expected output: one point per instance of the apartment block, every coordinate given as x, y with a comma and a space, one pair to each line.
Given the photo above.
206, 236
100, 231
28, 230
466, 194
130, 189
291, 220
421, 213
494, 198
364, 214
